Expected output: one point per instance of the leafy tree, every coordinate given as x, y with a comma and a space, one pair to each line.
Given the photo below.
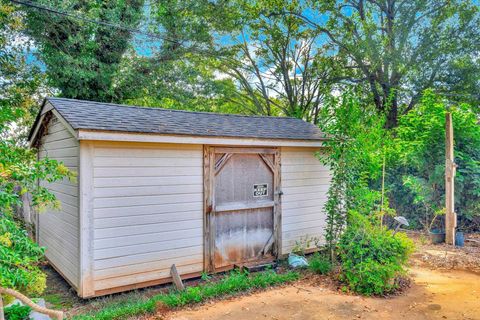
19, 169
420, 169
354, 155
397, 49
20, 82
178, 73
131, 51
278, 63
81, 57
187, 84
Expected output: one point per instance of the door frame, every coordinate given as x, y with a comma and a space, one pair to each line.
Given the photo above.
209, 170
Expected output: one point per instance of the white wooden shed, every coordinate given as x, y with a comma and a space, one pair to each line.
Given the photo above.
157, 187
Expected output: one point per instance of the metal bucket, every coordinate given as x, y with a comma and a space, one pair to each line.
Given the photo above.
437, 236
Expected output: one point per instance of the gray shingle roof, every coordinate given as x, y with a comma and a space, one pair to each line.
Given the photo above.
113, 117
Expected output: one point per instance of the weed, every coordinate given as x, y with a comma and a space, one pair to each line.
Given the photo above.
205, 276
423, 239
305, 243
320, 264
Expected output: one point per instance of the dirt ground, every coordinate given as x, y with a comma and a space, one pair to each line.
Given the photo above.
434, 294
445, 285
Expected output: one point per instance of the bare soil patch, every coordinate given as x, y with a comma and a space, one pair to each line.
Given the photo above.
442, 256
434, 294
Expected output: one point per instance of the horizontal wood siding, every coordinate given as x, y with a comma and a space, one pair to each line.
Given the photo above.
58, 230
305, 183
148, 212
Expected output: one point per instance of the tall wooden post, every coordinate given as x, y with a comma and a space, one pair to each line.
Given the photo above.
450, 166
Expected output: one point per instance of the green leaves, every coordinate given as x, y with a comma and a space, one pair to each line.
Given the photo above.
19, 168
19, 259
420, 160
395, 50
355, 156
81, 58
372, 256
17, 312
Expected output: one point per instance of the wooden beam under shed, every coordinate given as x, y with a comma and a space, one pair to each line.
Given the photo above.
176, 278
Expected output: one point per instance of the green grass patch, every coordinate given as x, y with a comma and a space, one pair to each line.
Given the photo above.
58, 302
233, 283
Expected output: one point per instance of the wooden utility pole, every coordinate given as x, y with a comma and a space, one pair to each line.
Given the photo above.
450, 167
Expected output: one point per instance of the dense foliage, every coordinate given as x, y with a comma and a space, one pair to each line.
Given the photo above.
354, 155
417, 177
372, 256
19, 257
409, 159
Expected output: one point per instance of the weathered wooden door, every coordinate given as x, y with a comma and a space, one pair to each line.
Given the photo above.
242, 205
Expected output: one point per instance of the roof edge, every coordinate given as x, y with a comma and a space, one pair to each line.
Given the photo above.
122, 136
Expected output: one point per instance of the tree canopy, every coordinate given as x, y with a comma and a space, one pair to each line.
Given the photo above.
258, 57
397, 49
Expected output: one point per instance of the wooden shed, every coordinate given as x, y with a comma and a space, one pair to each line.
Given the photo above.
158, 187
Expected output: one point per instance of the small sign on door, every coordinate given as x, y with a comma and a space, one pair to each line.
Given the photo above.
260, 190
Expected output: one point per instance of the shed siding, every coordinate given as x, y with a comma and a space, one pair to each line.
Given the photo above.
58, 230
305, 183
148, 212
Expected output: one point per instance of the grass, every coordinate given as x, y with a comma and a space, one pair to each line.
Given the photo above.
233, 283
57, 301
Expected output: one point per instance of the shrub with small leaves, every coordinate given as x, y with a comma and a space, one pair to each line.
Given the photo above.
19, 259
372, 256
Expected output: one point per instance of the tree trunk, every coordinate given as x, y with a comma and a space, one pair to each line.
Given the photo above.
392, 117
391, 101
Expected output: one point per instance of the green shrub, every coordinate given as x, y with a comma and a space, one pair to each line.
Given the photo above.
17, 312
372, 257
320, 264
19, 259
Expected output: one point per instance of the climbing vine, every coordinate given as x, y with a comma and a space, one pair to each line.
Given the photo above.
355, 156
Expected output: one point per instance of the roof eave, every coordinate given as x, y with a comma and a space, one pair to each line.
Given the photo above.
104, 135
33, 134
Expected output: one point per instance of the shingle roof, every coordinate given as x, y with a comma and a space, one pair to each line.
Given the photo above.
114, 117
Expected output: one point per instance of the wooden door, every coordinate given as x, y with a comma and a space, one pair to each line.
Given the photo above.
242, 201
